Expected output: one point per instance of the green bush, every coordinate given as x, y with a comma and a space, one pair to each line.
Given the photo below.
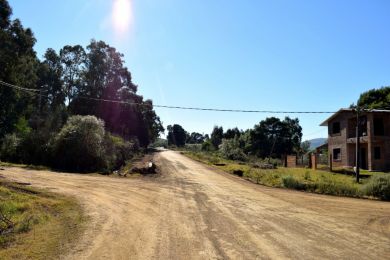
334, 188
230, 149
291, 183
79, 146
378, 186
118, 151
207, 146
9, 148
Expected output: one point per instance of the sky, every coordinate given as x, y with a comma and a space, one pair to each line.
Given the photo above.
284, 55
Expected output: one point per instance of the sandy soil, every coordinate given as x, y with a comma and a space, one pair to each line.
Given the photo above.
191, 211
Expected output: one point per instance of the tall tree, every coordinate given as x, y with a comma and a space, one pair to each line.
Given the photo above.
195, 138
176, 135
216, 136
73, 62
375, 98
51, 80
274, 138
18, 65
106, 77
231, 133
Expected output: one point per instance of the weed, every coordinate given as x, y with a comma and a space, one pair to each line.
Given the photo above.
307, 176
378, 186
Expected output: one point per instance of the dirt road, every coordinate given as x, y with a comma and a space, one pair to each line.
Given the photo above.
193, 212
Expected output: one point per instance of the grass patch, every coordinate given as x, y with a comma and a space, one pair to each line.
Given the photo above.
25, 166
43, 224
316, 181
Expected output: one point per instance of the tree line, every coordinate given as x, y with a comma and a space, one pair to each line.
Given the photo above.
67, 83
271, 137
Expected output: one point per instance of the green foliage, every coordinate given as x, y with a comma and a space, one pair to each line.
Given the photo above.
231, 133
18, 65
291, 183
375, 98
83, 145
216, 136
176, 135
195, 138
22, 128
378, 186
274, 138
230, 149
307, 176
80, 145
159, 143
207, 146
193, 147
118, 151
9, 148
65, 79
315, 181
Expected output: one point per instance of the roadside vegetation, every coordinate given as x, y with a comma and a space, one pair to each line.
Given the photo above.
51, 111
316, 181
258, 154
36, 223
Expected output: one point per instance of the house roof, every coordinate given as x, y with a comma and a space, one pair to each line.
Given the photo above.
344, 110
325, 145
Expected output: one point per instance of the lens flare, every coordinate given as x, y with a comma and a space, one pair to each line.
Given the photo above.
121, 15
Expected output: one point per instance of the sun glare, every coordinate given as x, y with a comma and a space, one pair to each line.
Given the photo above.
121, 15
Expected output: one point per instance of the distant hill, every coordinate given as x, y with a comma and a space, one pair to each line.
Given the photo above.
317, 142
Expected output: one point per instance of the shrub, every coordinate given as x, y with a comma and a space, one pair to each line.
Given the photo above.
230, 149
79, 146
334, 188
307, 176
207, 146
291, 183
34, 148
118, 151
378, 186
193, 147
9, 148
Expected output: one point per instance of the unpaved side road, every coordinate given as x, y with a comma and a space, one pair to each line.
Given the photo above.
191, 211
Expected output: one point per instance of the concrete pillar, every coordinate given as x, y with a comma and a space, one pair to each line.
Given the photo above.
291, 161
370, 134
314, 161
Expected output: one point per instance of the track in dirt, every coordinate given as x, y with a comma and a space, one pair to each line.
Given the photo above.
193, 212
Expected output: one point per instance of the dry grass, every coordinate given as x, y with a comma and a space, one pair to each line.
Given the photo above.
45, 224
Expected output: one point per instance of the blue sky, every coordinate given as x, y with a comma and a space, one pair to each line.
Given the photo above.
261, 55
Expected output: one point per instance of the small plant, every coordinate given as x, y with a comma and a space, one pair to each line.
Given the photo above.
230, 149
5, 223
307, 176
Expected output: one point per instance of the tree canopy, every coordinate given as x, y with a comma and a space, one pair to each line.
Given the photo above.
176, 135
375, 98
74, 80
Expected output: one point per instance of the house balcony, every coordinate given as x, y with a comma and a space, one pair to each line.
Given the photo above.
373, 139
352, 140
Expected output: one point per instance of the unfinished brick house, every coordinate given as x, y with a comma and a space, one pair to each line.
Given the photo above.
374, 140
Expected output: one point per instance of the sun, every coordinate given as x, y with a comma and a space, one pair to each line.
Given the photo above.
121, 15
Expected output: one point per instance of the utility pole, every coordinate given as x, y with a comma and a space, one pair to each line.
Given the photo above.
357, 144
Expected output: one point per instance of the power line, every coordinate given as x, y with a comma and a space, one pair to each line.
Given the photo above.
34, 91
17, 87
